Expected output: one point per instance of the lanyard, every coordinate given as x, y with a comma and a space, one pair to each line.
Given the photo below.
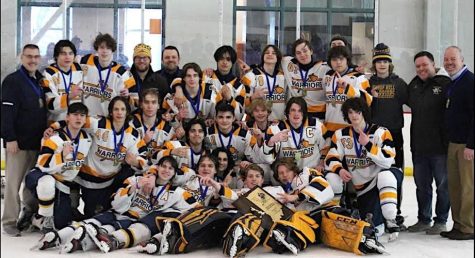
35, 88
117, 145
288, 187
195, 102
452, 86
304, 77
193, 153
75, 140
203, 192
221, 139
151, 128
103, 83
67, 86
158, 195
269, 89
358, 147
334, 85
297, 143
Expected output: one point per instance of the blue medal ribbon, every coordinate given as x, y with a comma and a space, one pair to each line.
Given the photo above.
67, 86
192, 155
151, 128
195, 102
303, 76
36, 88
203, 192
158, 195
103, 83
288, 187
269, 89
297, 143
117, 145
221, 139
74, 140
358, 146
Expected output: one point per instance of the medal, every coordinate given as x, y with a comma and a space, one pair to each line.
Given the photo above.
103, 98
117, 145
333, 102
298, 155
304, 93
117, 160
102, 83
37, 89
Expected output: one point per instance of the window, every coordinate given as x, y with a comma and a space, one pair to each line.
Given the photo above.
275, 22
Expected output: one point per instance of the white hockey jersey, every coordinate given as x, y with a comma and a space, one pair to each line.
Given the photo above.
132, 202
357, 85
275, 86
305, 145
237, 141
310, 88
58, 84
363, 162
115, 77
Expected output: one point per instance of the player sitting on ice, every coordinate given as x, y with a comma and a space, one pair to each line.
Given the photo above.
363, 154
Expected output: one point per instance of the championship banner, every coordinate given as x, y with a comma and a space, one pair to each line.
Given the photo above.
260, 203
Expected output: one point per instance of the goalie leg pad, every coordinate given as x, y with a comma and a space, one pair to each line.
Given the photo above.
299, 231
348, 234
242, 235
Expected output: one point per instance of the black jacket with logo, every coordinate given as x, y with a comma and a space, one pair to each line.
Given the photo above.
427, 100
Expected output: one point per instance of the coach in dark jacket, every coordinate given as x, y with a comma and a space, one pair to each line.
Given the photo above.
23, 123
427, 99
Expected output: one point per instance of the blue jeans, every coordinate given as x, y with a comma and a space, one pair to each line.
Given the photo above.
427, 169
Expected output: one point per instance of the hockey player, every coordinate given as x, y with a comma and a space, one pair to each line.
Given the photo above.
266, 80
227, 134
187, 153
115, 142
129, 204
363, 154
297, 137
304, 77
341, 83
151, 127
200, 96
305, 191
59, 161
63, 81
103, 78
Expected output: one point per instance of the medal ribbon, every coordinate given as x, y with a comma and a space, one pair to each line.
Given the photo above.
203, 192
288, 187
196, 101
117, 145
269, 89
192, 155
35, 88
221, 139
358, 147
102, 83
66, 85
297, 143
74, 140
158, 195
303, 76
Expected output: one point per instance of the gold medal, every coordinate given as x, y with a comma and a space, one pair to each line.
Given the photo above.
103, 98
297, 156
333, 102
116, 160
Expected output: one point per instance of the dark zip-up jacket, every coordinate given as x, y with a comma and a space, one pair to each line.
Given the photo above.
427, 100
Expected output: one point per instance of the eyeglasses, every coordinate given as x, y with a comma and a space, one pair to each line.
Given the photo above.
32, 56
141, 58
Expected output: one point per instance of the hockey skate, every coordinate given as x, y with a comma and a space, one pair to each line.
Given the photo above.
170, 236
101, 238
280, 239
151, 246
74, 243
48, 240
236, 238
393, 229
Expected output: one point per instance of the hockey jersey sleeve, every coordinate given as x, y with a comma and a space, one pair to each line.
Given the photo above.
50, 159
56, 103
318, 191
381, 149
358, 89
122, 199
334, 158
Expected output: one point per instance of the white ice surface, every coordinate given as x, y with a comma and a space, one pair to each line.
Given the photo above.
408, 245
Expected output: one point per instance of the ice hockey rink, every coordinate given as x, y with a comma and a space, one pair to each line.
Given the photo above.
408, 245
